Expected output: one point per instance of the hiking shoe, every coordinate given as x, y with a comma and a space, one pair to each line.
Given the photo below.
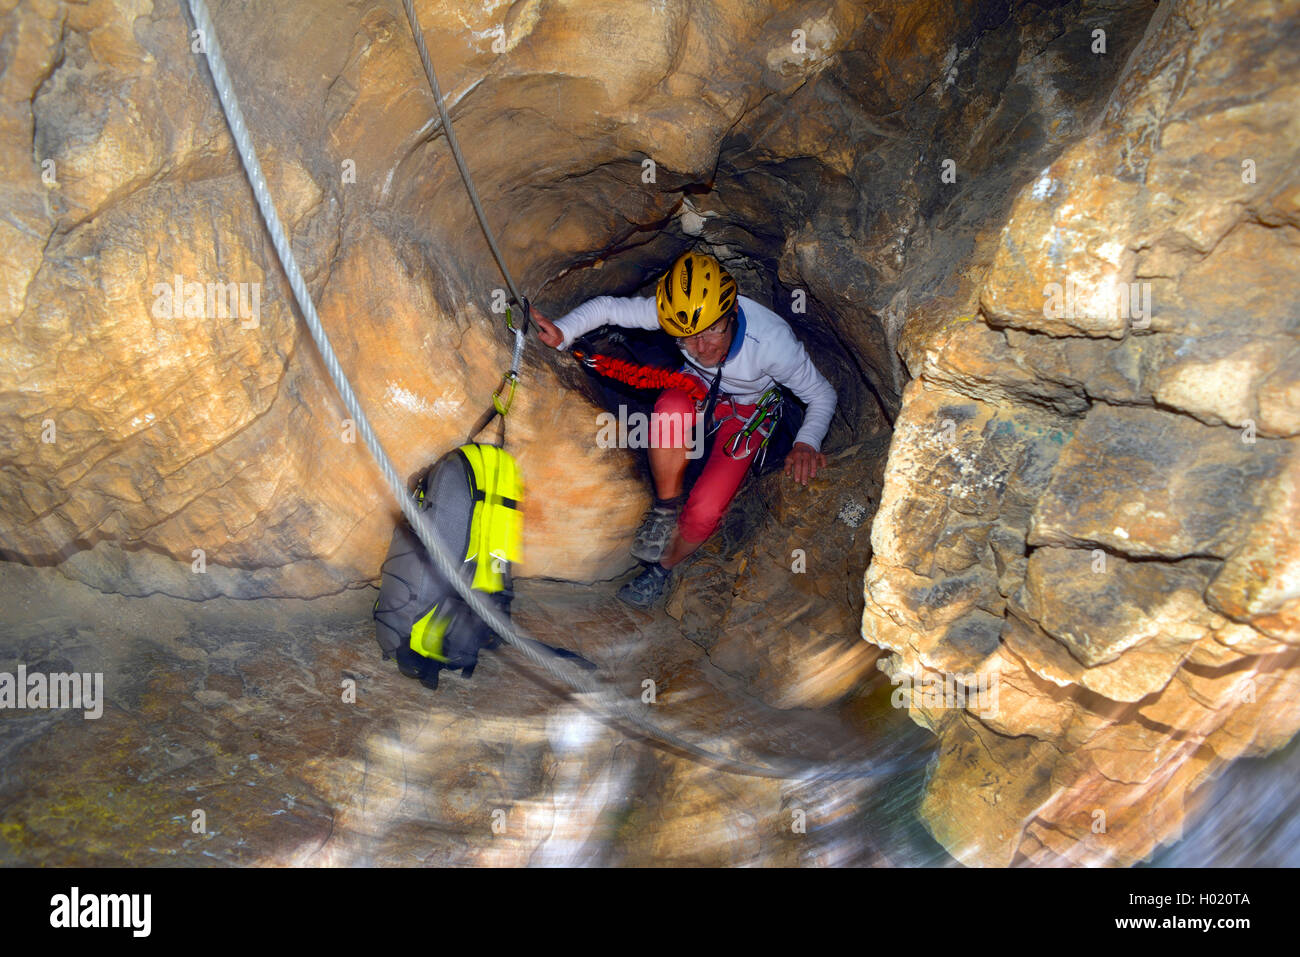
646, 589
655, 533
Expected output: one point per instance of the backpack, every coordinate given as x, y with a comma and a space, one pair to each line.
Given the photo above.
473, 498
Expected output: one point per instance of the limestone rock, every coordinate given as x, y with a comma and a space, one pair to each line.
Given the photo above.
203, 429
1260, 581
1144, 288
1099, 609
1148, 483
776, 610
1084, 261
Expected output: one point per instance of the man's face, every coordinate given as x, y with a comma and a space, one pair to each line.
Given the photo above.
709, 347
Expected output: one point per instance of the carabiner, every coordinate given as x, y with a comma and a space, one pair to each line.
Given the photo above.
504, 407
510, 323
767, 412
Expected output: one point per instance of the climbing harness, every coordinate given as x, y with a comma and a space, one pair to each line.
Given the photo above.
597, 694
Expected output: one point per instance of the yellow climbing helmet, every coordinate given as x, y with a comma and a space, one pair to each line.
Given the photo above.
694, 294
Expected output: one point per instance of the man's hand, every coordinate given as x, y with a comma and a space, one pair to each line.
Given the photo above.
803, 462
547, 331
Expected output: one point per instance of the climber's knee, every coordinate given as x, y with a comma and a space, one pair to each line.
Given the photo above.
674, 401
673, 423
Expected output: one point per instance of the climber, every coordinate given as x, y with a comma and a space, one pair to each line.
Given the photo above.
697, 303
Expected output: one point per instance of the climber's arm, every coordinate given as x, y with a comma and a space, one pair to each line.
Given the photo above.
794, 368
637, 313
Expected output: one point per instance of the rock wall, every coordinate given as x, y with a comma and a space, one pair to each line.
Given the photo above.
1095, 505
842, 194
1091, 497
143, 435
145, 424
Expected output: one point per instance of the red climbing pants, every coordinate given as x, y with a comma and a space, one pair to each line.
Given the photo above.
722, 475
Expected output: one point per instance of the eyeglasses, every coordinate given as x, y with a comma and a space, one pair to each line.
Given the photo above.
712, 334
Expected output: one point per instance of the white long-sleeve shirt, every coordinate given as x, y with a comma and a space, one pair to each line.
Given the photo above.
763, 349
